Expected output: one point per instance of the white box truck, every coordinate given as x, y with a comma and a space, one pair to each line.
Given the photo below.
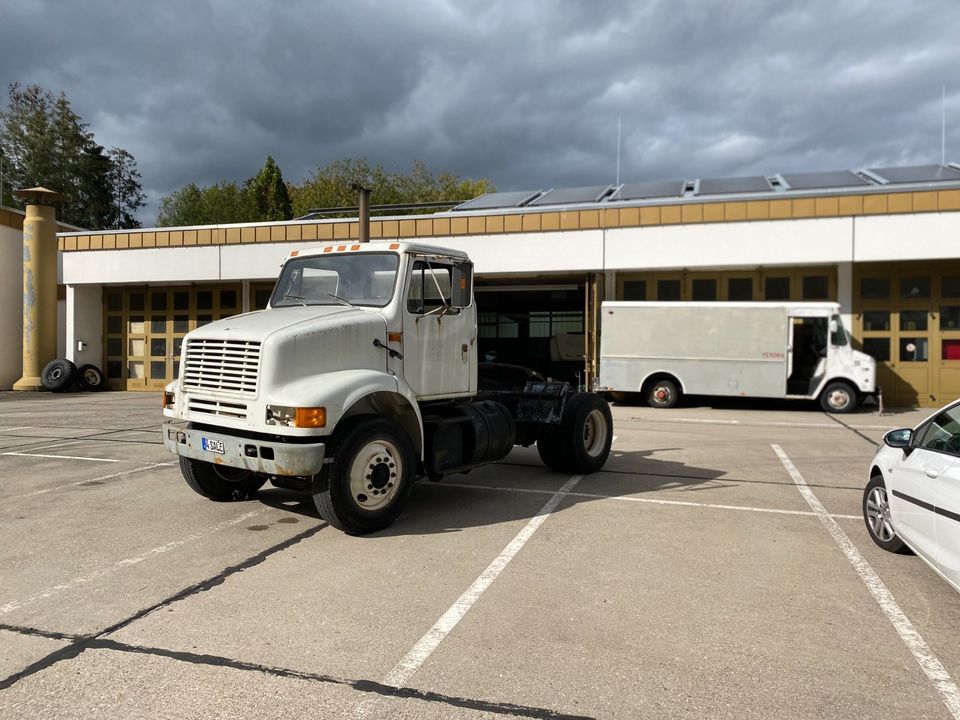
751, 349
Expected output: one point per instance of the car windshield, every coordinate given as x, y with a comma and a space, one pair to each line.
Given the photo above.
358, 278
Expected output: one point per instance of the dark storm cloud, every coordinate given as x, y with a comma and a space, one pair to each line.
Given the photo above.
525, 93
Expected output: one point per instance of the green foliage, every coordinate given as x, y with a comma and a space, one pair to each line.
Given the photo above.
270, 192
330, 186
44, 142
223, 202
267, 197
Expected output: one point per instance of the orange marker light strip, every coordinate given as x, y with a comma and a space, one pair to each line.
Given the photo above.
354, 247
328, 249
341, 248
310, 417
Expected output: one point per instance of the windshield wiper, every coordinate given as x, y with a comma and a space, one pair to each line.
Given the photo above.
298, 298
340, 300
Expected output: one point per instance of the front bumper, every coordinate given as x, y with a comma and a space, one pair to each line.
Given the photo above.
254, 454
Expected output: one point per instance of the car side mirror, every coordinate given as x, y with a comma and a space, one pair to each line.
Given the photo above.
833, 326
899, 438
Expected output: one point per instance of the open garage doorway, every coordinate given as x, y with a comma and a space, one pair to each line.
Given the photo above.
534, 322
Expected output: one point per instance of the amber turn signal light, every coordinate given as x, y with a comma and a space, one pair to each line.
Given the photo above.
315, 417
168, 398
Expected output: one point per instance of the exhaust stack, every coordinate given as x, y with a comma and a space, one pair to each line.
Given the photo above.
364, 205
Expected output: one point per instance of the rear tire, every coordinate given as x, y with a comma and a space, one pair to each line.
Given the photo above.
662, 394
550, 449
89, 377
220, 482
876, 516
838, 397
365, 487
59, 375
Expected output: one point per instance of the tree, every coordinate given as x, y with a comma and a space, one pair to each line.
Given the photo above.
270, 192
125, 189
223, 202
330, 186
46, 143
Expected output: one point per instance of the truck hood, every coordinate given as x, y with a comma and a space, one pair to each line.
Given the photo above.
300, 342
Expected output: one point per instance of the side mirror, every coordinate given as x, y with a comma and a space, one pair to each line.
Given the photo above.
833, 326
899, 438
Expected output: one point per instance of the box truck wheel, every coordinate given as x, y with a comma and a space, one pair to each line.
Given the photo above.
662, 393
838, 397
219, 482
366, 485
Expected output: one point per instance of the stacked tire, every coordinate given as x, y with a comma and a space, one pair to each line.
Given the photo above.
61, 375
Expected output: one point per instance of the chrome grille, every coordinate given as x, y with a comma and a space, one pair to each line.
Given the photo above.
207, 406
222, 365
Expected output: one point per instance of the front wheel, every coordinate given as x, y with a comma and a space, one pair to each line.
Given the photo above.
838, 397
363, 490
876, 516
220, 482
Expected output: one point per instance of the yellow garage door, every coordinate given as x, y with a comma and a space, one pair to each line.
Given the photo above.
144, 328
908, 317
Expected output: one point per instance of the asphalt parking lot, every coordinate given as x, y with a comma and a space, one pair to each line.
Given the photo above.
693, 577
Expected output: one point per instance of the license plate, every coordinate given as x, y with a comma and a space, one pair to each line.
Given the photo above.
214, 446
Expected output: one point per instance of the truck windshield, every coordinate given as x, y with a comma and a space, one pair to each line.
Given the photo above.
839, 337
359, 278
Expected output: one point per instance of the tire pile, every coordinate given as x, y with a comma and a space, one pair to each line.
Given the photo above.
61, 375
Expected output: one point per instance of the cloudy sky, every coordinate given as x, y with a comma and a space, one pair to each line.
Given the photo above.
524, 92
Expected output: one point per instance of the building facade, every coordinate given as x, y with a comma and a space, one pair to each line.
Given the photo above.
884, 243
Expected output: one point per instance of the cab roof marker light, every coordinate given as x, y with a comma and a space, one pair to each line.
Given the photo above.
329, 248
354, 247
394, 246
341, 248
294, 253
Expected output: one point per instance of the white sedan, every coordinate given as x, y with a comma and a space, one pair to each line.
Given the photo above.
912, 501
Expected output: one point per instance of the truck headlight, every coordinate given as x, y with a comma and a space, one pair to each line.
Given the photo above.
302, 417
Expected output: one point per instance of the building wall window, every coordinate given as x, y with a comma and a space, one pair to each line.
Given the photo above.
780, 284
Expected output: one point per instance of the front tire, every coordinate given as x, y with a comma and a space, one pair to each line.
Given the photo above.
876, 516
838, 397
220, 482
365, 487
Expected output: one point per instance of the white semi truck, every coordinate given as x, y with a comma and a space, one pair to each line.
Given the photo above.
755, 349
360, 376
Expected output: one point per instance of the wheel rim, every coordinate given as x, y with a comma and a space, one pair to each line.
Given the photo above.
662, 394
91, 378
375, 475
878, 515
55, 373
595, 431
838, 399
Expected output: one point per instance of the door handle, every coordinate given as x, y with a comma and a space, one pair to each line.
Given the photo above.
930, 472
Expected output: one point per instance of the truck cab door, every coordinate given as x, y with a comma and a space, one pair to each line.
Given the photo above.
439, 328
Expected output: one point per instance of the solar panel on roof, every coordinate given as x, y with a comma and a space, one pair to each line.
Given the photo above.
828, 179
498, 200
917, 173
723, 186
570, 196
641, 190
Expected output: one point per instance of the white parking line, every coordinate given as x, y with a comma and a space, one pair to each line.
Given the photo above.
817, 426
405, 669
61, 457
102, 572
914, 641
11, 429
96, 479
653, 501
